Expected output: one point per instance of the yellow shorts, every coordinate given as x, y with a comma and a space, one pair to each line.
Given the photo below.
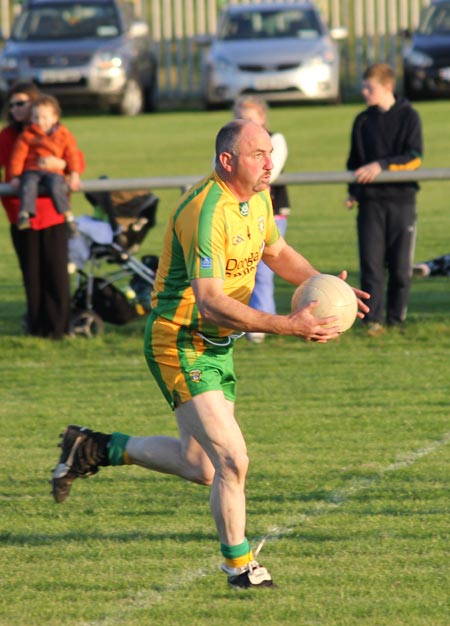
185, 364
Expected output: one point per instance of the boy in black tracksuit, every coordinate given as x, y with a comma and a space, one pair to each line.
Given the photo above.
386, 136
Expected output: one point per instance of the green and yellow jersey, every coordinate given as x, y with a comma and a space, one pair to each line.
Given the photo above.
211, 234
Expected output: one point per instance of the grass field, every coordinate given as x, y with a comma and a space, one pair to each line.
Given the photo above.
348, 441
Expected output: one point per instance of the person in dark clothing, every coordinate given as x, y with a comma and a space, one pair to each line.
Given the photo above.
438, 266
386, 136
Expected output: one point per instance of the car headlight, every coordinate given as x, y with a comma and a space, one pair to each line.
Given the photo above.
8, 63
327, 57
221, 63
418, 59
107, 61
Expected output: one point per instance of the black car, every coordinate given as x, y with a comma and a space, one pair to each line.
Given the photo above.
426, 55
83, 52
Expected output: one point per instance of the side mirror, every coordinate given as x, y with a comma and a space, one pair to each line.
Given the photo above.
405, 33
339, 33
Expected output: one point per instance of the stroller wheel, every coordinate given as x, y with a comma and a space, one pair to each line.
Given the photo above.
87, 324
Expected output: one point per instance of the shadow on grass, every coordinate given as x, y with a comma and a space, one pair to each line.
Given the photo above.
11, 319
9, 538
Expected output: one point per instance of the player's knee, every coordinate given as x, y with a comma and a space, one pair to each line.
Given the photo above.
206, 478
202, 474
235, 467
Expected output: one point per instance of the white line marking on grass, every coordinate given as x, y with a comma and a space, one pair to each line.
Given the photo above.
147, 598
357, 485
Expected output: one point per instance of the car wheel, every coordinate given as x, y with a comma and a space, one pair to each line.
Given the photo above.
132, 102
152, 95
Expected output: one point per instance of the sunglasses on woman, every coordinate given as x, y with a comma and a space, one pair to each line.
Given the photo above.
18, 103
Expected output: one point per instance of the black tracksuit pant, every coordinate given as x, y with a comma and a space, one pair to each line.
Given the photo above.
386, 238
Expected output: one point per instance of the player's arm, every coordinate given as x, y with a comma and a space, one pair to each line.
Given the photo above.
287, 262
219, 309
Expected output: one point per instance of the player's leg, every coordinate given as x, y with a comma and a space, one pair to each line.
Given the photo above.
84, 451
168, 349
183, 456
197, 378
209, 419
211, 449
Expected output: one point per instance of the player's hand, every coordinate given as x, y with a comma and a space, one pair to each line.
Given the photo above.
367, 173
360, 296
311, 328
15, 182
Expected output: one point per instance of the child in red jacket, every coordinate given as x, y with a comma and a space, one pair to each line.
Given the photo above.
44, 137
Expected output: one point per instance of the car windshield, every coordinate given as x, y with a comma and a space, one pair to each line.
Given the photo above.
66, 21
291, 23
435, 19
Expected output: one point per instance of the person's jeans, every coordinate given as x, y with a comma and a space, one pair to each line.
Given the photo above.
262, 297
54, 184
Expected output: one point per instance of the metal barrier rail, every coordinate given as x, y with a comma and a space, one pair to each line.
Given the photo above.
295, 178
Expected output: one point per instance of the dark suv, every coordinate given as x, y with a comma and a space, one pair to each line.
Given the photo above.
83, 52
426, 56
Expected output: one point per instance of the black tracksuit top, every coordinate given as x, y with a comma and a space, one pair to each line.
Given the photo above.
394, 139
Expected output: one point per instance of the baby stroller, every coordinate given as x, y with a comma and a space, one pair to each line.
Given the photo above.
112, 237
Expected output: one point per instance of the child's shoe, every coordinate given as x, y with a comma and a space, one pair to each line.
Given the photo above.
71, 224
24, 221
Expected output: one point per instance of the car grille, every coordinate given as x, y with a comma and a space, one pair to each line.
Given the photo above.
58, 61
269, 68
60, 85
250, 91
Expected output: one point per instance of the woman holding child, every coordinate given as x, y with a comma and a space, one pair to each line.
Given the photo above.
42, 249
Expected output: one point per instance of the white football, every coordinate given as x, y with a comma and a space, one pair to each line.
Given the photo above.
334, 295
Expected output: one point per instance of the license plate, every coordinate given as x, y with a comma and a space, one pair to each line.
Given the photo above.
59, 76
269, 82
444, 73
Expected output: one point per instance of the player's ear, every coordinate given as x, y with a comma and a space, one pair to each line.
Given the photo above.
225, 160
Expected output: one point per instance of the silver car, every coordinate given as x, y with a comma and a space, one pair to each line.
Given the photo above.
83, 52
281, 51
